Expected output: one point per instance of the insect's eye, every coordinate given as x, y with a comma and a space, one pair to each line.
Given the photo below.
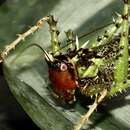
63, 67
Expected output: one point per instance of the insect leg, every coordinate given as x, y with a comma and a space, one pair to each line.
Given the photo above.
54, 35
107, 36
121, 63
70, 37
85, 118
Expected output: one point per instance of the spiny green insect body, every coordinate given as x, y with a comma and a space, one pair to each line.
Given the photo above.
98, 71
104, 66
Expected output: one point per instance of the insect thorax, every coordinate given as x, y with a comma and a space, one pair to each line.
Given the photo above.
95, 67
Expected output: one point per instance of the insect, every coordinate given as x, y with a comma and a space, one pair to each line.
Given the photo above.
99, 71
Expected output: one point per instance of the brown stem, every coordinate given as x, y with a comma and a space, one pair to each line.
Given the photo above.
21, 37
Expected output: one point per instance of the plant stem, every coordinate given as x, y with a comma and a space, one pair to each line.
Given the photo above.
20, 38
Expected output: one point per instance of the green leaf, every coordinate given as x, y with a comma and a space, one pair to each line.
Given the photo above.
26, 72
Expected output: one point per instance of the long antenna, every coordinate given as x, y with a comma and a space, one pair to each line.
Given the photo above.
36, 45
86, 34
94, 30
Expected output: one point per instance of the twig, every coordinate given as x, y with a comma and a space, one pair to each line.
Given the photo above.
21, 37
84, 119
